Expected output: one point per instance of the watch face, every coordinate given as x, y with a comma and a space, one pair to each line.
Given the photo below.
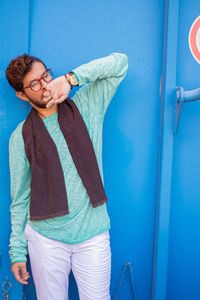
73, 80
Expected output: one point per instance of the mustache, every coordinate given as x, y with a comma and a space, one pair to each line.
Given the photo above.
46, 96
39, 105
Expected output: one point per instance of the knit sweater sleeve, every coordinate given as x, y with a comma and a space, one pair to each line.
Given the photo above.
100, 79
20, 192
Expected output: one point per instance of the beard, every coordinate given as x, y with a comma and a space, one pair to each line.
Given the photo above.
38, 103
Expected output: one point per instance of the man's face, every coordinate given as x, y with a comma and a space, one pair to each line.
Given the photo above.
36, 98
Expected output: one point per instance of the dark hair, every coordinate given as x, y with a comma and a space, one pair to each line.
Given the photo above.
18, 68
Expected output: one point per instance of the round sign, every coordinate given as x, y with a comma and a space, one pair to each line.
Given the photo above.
194, 39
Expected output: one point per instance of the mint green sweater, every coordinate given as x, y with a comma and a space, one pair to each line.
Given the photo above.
100, 79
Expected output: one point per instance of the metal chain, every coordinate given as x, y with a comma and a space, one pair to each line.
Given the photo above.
5, 296
6, 288
127, 266
23, 295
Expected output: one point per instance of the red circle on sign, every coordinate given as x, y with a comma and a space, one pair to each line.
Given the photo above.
193, 39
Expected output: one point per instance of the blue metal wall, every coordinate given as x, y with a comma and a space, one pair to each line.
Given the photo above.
177, 263
184, 243
14, 21
66, 34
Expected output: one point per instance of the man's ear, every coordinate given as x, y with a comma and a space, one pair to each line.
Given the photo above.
22, 96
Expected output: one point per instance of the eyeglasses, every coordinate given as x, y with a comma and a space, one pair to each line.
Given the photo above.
36, 85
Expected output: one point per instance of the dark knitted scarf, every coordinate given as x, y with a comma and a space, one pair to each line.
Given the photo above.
48, 196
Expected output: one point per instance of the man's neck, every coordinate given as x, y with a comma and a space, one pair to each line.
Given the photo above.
46, 112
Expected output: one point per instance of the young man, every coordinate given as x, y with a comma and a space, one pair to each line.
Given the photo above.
58, 209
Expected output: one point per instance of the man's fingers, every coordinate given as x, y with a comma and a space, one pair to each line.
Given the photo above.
50, 103
20, 279
60, 99
20, 272
46, 94
24, 272
56, 101
58, 89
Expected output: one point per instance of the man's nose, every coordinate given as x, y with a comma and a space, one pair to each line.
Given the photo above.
43, 83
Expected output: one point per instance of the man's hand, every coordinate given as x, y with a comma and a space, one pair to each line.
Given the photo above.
20, 272
59, 90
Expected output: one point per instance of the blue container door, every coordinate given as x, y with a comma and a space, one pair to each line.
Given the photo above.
177, 260
67, 34
184, 243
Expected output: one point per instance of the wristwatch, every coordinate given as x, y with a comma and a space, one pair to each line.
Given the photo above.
71, 79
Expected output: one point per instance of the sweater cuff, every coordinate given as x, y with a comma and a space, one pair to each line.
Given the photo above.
18, 260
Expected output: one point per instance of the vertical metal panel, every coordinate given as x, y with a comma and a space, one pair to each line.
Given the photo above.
184, 246
162, 226
14, 40
68, 35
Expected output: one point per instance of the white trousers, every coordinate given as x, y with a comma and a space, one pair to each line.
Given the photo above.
51, 262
